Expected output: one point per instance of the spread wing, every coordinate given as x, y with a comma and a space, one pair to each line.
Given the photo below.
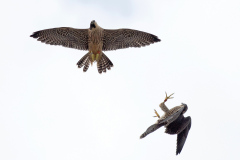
174, 127
178, 125
151, 129
182, 136
161, 122
64, 36
125, 38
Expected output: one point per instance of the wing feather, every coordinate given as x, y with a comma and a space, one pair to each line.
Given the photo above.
64, 36
151, 129
178, 125
182, 136
125, 38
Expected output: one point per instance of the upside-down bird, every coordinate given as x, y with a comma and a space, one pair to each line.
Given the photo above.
95, 40
174, 121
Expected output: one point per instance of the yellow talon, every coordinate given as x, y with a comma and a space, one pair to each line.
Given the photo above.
168, 97
157, 115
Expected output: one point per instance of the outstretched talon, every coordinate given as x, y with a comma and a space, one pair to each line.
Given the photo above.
168, 97
157, 115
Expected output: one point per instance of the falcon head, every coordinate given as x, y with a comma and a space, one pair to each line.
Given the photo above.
185, 108
93, 24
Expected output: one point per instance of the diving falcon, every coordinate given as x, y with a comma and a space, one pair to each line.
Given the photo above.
174, 121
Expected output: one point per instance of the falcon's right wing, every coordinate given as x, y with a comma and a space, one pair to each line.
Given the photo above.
64, 36
182, 136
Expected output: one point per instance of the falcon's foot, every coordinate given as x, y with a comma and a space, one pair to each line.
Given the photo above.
168, 97
157, 115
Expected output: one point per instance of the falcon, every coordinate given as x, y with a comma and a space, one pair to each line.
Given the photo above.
95, 40
174, 121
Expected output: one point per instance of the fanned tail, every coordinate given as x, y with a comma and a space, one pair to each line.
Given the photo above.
104, 63
84, 61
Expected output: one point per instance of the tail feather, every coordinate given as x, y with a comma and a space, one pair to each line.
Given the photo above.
108, 63
104, 63
84, 61
86, 65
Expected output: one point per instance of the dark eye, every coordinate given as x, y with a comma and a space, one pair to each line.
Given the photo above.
92, 25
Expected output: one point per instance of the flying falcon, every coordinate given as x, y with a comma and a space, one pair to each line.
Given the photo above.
174, 121
95, 40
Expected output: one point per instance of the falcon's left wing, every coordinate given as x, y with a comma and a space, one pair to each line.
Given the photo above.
125, 38
151, 129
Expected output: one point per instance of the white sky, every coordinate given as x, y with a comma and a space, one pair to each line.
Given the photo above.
50, 109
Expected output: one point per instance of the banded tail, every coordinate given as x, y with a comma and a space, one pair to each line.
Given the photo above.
84, 61
103, 63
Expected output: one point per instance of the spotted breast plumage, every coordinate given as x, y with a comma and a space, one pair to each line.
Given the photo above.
95, 40
174, 121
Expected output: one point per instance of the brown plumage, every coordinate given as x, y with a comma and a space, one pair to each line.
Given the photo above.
95, 40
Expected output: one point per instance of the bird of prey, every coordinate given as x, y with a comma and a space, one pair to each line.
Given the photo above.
174, 121
95, 40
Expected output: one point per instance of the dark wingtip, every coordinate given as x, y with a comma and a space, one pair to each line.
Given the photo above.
35, 34
142, 136
156, 39
178, 152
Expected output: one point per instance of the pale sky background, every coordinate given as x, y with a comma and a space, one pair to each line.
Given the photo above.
50, 109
